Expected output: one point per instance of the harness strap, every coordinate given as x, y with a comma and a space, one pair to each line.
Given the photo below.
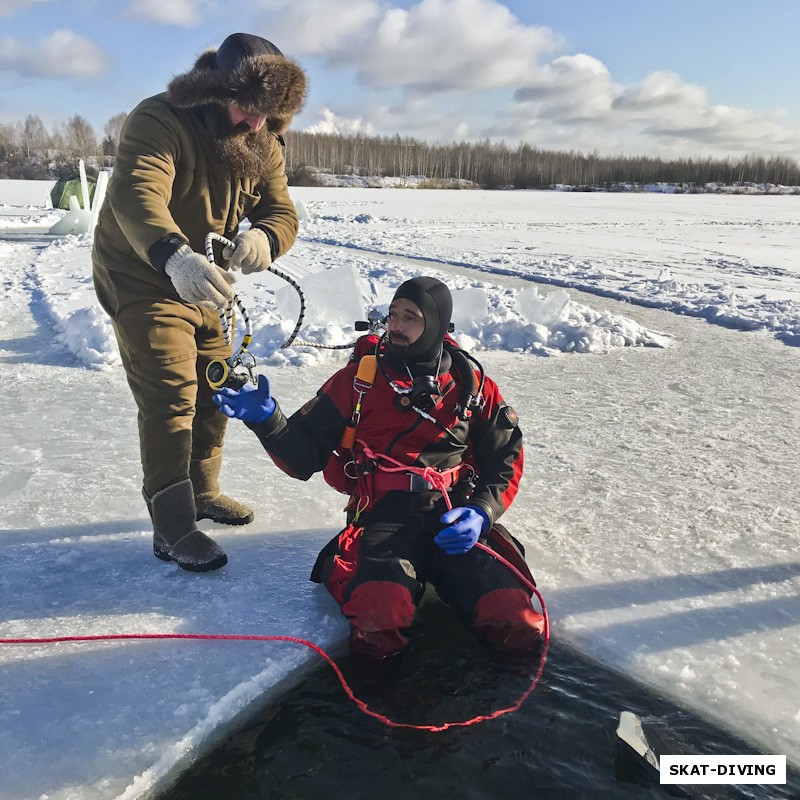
363, 381
434, 478
410, 481
378, 471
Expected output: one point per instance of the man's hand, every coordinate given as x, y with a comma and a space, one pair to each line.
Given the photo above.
251, 252
466, 523
197, 280
251, 404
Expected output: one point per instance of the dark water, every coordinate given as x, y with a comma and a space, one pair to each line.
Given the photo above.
561, 745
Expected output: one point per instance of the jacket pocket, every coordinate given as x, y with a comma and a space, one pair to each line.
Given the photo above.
247, 202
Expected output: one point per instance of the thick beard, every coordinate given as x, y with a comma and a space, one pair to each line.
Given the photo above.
245, 153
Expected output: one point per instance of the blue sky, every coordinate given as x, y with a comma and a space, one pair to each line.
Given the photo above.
656, 77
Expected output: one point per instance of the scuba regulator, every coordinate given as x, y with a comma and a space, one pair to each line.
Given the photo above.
232, 372
237, 369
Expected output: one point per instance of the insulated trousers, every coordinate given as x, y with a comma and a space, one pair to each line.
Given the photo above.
378, 572
165, 346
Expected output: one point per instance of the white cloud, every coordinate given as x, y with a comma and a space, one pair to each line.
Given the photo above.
417, 116
184, 13
573, 102
319, 27
8, 7
440, 45
574, 88
445, 69
734, 130
435, 46
662, 92
462, 132
334, 124
62, 54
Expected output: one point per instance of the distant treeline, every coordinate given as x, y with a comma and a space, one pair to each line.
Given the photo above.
28, 150
494, 166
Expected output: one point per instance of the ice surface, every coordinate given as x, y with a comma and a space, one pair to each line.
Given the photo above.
660, 505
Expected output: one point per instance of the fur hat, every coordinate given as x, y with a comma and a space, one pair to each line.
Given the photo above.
248, 71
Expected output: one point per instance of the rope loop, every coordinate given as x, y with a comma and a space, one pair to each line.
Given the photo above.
360, 704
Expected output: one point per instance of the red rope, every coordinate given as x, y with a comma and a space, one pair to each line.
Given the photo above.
434, 477
437, 481
111, 637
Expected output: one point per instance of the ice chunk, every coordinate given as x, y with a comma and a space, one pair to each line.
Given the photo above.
302, 212
539, 310
84, 185
333, 297
74, 222
469, 306
97, 200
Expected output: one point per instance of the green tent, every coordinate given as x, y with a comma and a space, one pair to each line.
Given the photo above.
66, 188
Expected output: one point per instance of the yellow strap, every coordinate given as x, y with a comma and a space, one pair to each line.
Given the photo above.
367, 369
365, 376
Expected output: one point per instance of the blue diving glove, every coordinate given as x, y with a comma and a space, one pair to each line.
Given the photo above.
251, 404
465, 525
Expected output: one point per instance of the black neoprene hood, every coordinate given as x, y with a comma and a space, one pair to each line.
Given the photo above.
434, 300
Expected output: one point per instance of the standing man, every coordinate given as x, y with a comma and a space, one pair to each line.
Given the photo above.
419, 424
198, 158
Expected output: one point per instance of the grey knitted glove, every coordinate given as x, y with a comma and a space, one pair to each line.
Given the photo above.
251, 252
197, 280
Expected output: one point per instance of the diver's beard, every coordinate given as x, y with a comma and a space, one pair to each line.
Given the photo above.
399, 350
244, 152
398, 346
433, 362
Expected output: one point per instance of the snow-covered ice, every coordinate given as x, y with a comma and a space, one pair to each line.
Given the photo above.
659, 506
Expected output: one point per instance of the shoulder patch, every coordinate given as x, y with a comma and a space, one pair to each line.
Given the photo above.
507, 417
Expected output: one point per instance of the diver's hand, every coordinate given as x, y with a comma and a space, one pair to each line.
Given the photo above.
465, 525
252, 404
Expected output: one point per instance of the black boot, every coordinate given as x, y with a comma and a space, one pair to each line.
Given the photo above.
175, 535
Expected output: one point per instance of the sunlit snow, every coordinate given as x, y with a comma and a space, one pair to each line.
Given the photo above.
659, 506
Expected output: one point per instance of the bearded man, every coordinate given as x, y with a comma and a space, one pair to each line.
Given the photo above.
199, 158
433, 458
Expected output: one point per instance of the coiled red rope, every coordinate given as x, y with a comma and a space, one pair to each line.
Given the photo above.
362, 706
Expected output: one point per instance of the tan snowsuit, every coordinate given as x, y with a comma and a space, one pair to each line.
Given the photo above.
169, 187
